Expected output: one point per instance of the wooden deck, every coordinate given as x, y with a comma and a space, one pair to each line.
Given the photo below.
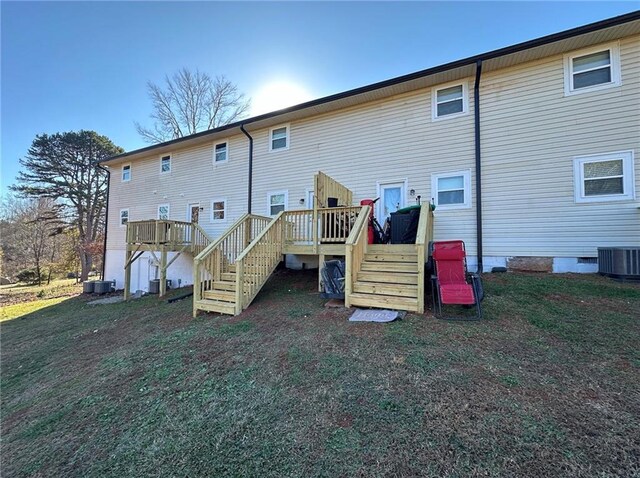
227, 279
230, 271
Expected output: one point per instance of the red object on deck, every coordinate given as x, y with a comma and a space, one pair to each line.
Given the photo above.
370, 231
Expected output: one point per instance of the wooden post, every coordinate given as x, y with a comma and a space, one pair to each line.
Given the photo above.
196, 286
127, 274
247, 232
348, 278
163, 272
320, 264
239, 286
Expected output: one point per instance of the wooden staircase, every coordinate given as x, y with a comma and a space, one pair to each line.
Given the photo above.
230, 272
388, 278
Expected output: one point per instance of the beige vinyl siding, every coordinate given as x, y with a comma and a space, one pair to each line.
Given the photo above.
193, 179
390, 140
530, 134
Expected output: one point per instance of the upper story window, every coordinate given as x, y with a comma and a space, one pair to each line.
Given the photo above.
277, 202
126, 172
592, 69
218, 209
165, 163
124, 217
163, 212
604, 177
449, 101
452, 190
221, 152
279, 138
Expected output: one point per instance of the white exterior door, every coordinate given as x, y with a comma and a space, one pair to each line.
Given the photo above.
392, 198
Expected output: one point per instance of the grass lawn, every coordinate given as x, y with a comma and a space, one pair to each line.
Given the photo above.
548, 385
20, 299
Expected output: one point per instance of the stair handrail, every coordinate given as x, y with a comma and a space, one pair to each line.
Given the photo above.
199, 233
265, 261
424, 235
355, 249
205, 252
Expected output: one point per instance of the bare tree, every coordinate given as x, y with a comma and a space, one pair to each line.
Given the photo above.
190, 102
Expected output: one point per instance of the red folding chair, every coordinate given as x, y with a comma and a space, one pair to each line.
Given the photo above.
451, 283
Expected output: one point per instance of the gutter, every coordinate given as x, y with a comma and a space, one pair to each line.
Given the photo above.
476, 118
250, 187
106, 221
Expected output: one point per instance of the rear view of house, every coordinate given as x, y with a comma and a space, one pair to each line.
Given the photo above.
527, 152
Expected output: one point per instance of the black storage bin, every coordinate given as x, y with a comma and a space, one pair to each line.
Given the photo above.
404, 227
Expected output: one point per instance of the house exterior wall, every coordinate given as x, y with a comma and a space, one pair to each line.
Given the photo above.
530, 133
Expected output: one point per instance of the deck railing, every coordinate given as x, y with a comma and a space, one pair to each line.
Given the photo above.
333, 225
356, 248
423, 237
217, 258
159, 232
199, 239
257, 262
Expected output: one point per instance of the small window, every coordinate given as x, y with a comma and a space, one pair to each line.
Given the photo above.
165, 164
277, 202
279, 138
452, 190
218, 210
126, 172
163, 212
592, 69
221, 152
449, 101
604, 177
124, 217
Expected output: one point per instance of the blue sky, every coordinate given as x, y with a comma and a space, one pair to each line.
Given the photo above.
84, 65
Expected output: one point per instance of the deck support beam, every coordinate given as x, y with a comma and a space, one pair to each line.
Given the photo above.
163, 272
127, 275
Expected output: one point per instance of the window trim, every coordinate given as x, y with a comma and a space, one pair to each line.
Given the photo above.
628, 177
162, 156
271, 130
225, 210
120, 217
466, 177
122, 173
168, 211
226, 156
434, 100
273, 193
614, 56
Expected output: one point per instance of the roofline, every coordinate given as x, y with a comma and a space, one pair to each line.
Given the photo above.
563, 35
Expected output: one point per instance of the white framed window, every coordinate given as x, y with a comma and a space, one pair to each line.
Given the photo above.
221, 152
165, 163
277, 202
218, 209
452, 190
604, 177
592, 69
163, 212
124, 217
126, 173
450, 101
279, 138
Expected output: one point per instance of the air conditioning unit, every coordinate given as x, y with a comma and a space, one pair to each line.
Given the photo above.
619, 262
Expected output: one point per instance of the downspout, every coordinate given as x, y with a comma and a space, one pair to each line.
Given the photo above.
476, 111
106, 221
250, 167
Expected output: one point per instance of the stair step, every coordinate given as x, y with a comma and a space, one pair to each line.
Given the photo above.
216, 306
389, 267
391, 249
228, 276
390, 257
380, 288
221, 295
384, 301
389, 278
224, 285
